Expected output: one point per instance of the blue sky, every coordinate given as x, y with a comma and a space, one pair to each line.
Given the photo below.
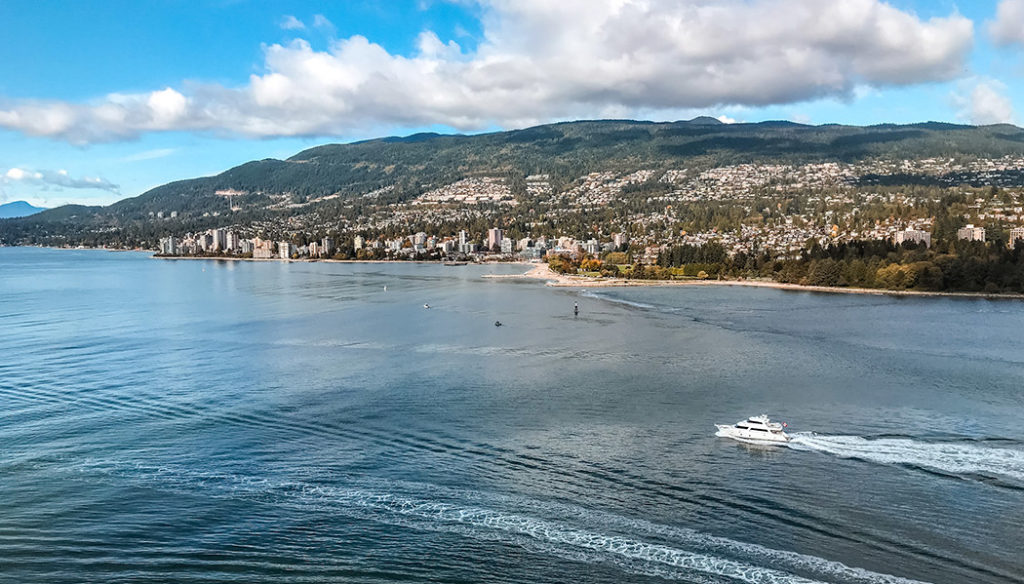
103, 100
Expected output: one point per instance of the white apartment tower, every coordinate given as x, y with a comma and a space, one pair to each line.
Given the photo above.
494, 237
284, 249
168, 246
1017, 233
971, 233
915, 235
220, 239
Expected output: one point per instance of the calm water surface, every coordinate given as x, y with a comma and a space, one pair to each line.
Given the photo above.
204, 421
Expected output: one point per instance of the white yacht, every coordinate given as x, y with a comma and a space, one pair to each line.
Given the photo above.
755, 429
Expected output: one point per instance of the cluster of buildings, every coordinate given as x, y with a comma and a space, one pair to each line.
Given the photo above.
970, 232
599, 189
227, 242
746, 208
538, 185
211, 241
470, 191
494, 245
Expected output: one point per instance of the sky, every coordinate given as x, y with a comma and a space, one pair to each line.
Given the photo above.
104, 100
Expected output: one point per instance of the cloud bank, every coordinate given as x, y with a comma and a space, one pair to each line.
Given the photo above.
539, 61
1008, 26
985, 102
56, 178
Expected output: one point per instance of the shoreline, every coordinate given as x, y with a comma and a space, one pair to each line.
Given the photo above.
556, 280
327, 261
541, 271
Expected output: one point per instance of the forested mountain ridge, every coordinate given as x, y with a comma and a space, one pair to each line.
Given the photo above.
394, 170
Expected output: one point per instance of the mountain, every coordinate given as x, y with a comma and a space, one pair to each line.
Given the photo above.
18, 209
332, 179
565, 151
704, 121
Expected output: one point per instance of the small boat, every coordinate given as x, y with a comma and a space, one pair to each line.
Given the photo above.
426, 306
497, 323
456, 263
755, 430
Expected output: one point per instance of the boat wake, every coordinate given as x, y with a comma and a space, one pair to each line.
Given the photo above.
556, 529
622, 301
958, 458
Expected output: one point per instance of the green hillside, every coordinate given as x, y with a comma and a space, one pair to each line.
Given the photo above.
565, 151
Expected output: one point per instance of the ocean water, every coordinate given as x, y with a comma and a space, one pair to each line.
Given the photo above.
213, 421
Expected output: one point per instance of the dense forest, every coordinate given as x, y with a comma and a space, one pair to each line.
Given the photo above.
958, 266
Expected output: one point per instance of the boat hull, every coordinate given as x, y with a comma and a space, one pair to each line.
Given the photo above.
750, 437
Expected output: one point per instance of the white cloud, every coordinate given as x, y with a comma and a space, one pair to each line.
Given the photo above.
983, 102
726, 119
55, 178
289, 22
320, 21
166, 107
540, 60
16, 174
1008, 26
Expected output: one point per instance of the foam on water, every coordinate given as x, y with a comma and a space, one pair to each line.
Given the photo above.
955, 458
563, 530
606, 298
620, 546
707, 554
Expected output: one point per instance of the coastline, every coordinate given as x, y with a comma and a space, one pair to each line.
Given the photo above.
541, 271
323, 260
556, 280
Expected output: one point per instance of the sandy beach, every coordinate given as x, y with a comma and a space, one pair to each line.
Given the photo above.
554, 279
543, 272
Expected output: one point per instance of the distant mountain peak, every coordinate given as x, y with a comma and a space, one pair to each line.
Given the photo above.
705, 121
18, 209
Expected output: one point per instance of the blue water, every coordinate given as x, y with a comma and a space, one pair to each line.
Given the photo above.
211, 421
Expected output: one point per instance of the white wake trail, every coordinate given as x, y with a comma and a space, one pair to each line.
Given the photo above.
956, 458
620, 547
682, 554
